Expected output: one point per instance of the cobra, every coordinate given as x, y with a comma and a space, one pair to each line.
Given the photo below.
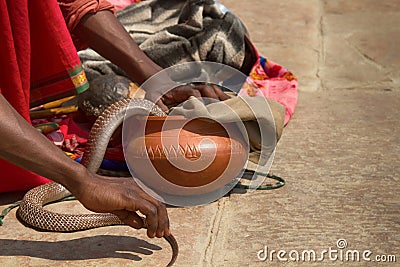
31, 209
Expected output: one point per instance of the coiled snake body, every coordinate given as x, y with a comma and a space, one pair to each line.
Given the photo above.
31, 208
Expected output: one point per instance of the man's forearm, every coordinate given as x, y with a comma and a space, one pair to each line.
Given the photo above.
105, 34
23, 145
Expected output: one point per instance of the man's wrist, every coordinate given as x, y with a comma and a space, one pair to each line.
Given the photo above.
74, 176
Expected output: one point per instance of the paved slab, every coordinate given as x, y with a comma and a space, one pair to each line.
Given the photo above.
360, 44
340, 159
287, 32
107, 246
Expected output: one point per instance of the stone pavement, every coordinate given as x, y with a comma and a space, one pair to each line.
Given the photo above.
340, 156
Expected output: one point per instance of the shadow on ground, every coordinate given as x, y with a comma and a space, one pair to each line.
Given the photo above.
95, 247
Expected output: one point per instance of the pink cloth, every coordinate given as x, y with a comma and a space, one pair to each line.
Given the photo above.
274, 82
121, 4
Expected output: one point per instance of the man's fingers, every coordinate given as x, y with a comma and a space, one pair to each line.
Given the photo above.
163, 222
185, 93
130, 218
162, 215
218, 91
151, 213
181, 93
161, 105
221, 95
212, 91
207, 91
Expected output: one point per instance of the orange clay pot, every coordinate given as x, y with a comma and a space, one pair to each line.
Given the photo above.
180, 156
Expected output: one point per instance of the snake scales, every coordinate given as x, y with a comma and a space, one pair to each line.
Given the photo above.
31, 209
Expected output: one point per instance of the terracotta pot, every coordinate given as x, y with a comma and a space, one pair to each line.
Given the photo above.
180, 156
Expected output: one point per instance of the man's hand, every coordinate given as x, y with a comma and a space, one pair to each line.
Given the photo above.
123, 197
183, 92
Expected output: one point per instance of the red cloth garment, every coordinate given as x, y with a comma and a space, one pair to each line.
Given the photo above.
39, 63
74, 10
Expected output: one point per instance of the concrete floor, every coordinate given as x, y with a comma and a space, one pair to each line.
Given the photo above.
340, 156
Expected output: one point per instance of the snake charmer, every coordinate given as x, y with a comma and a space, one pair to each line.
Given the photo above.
39, 63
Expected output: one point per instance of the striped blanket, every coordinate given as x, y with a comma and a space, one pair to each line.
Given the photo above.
175, 31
